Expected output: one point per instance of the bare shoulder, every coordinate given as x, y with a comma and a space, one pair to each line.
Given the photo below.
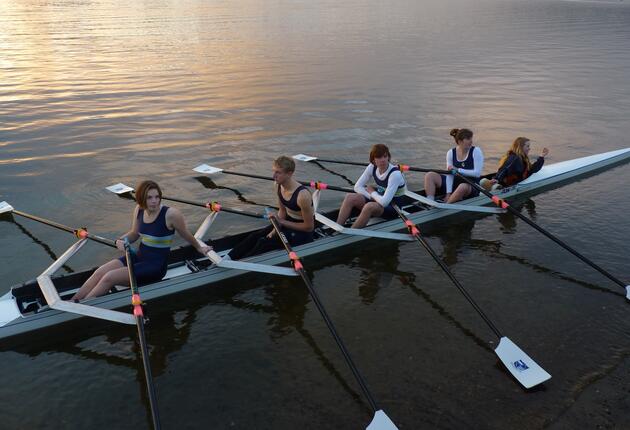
305, 198
173, 216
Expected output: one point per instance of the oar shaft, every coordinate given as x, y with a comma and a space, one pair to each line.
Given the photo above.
93, 237
312, 184
502, 203
320, 307
446, 270
139, 315
224, 209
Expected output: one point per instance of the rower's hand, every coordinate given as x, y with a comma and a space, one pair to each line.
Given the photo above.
544, 152
203, 248
370, 189
120, 244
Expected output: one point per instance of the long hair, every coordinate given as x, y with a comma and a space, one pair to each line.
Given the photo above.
142, 190
517, 149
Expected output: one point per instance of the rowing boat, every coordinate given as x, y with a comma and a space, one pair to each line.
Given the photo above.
24, 308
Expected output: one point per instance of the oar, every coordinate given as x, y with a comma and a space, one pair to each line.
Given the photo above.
503, 204
499, 202
123, 189
380, 420
215, 208
520, 365
139, 315
211, 170
414, 196
81, 233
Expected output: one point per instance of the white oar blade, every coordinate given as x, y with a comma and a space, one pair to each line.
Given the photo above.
254, 267
5, 207
207, 170
520, 365
381, 422
304, 157
119, 188
377, 234
628, 292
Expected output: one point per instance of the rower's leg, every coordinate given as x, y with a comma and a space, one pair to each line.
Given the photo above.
432, 182
350, 201
114, 277
461, 192
95, 278
370, 210
244, 248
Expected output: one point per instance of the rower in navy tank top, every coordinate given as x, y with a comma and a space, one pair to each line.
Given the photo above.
467, 159
155, 225
382, 184
296, 215
151, 259
374, 202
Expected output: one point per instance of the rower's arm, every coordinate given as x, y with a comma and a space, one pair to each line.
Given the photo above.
175, 220
132, 235
359, 186
395, 180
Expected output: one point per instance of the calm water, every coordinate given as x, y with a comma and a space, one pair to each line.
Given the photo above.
98, 92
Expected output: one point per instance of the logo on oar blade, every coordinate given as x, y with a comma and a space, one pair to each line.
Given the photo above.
520, 365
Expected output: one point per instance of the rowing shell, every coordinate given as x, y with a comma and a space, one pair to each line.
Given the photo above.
24, 309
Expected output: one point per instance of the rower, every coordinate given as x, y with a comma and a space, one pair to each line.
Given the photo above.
515, 166
375, 202
467, 160
155, 224
296, 215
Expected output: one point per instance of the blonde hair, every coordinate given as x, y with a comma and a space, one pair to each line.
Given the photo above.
517, 149
285, 163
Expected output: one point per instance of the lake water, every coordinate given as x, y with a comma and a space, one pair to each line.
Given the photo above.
95, 92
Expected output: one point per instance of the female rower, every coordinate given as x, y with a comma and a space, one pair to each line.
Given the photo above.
155, 225
296, 215
515, 166
467, 159
390, 187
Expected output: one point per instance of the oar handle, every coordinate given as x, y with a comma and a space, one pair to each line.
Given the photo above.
138, 313
81, 233
297, 265
415, 232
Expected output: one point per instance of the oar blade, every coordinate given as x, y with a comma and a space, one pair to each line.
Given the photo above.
119, 188
304, 157
381, 422
5, 207
628, 292
207, 170
520, 365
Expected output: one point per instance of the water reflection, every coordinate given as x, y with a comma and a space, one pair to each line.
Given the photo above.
11, 219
